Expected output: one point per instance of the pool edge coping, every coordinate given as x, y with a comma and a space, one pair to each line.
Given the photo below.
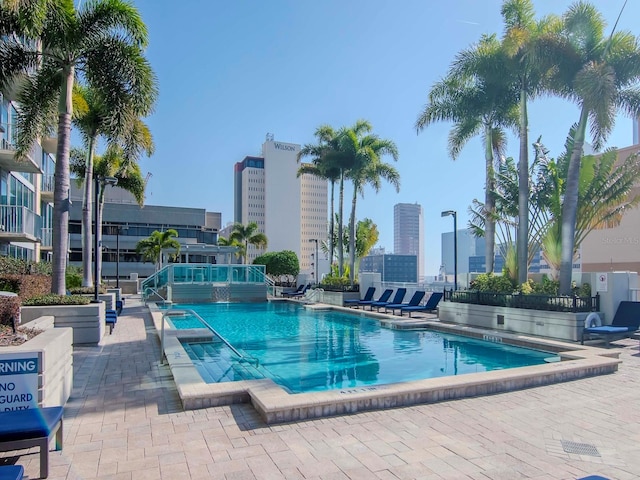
276, 405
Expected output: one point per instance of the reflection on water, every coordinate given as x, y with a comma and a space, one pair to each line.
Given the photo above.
305, 350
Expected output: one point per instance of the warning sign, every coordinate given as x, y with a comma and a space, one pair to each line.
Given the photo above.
602, 283
18, 381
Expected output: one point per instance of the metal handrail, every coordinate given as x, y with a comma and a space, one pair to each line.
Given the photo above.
185, 311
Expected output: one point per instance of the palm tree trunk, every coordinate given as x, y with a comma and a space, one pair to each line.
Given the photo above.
523, 192
87, 200
352, 235
331, 225
60, 240
489, 202
570, 205
340, 232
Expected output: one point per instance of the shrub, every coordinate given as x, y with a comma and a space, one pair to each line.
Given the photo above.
53, 299
9, 309
86, 290
488, 282
26, 286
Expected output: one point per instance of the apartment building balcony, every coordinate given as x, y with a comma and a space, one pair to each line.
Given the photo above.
17, 224
8, 159
46, 188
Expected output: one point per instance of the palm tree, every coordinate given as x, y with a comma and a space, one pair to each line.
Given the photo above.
600, 74
112, 164
479, 99
152, 247
95, 120
228, 242
364, 151
101, 42
248, 235
367, 236
521, 43
323, 165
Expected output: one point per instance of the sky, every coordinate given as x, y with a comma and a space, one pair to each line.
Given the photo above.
232, 71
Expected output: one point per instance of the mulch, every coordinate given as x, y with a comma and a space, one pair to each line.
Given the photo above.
8, 338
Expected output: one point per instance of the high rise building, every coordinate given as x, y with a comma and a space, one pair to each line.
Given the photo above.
290, 210
408, 232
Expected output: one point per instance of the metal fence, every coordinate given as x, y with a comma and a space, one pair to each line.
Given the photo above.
549, 303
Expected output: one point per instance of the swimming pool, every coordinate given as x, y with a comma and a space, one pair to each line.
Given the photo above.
305, 350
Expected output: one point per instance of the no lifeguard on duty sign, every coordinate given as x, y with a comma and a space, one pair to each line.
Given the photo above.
18, 381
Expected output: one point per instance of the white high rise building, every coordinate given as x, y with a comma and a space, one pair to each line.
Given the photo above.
408, 232
290, 210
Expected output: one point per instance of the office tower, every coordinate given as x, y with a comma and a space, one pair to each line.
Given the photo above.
408, 232
290, 210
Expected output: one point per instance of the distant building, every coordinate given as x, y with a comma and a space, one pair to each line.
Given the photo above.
408, 232
392, 268
290, 210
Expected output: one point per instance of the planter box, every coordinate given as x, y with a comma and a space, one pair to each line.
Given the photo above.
87, 321
557, 325
55, 361
338, 298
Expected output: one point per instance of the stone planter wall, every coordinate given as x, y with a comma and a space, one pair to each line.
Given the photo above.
55, 353
87, 321
338, 298
557, 325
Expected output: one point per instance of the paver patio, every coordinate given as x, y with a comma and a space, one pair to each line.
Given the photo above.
124, 421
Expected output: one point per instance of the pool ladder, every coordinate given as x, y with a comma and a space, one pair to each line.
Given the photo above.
185, 312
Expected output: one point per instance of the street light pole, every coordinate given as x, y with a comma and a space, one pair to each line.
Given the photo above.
316, 259
453, 213
100, 182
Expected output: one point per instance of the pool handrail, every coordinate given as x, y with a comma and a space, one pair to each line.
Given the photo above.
184, 311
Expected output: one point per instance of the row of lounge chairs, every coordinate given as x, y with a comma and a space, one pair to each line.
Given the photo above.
413, 305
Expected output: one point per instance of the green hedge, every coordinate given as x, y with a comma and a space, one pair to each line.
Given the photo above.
53, 299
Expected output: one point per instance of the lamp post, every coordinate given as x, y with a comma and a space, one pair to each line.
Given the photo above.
100, 182
118, 230
453, 213
316, 259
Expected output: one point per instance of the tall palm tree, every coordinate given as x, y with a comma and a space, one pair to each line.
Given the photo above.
599, 73
101, 42
152, 247
324, 165
228, 242
94, 121
363, 152
521, 42
478, 98
248, 235
112, 164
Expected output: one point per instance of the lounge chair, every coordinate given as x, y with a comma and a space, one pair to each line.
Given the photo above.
299, 293
297, 290
111, 318
367, 297
383, 298
415, 301
397, 298
11, 472
625, 323
430, 306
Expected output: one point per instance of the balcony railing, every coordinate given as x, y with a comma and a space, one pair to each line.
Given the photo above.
17, 220
8, 161
46, 237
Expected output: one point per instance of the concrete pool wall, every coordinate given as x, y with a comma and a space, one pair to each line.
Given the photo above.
275, 405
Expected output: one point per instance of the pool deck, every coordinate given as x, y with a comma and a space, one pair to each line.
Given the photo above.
125, 421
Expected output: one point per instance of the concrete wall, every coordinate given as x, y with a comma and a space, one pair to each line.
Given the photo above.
86, 321
557, 325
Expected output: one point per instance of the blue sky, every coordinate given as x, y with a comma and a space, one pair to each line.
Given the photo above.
231, 72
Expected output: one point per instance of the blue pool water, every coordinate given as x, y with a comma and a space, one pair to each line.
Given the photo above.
304, 350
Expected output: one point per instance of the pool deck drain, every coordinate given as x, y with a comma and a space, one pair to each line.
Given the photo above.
275, 405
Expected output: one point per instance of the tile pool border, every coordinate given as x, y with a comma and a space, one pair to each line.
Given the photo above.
275, 405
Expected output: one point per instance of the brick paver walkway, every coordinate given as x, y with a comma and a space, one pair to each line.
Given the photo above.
124, 421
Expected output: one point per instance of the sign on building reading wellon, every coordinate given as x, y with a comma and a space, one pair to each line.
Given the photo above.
18, 381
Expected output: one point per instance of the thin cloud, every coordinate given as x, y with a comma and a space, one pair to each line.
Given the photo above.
467, 22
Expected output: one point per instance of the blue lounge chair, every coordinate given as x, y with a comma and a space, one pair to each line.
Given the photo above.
297, 290
625, 323
11, 472
383, 298
367, 297
34, 427
397, 298
298, 294
430, 306
415, 301
111, 318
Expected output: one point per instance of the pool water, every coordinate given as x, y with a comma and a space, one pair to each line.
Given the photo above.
306, 350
